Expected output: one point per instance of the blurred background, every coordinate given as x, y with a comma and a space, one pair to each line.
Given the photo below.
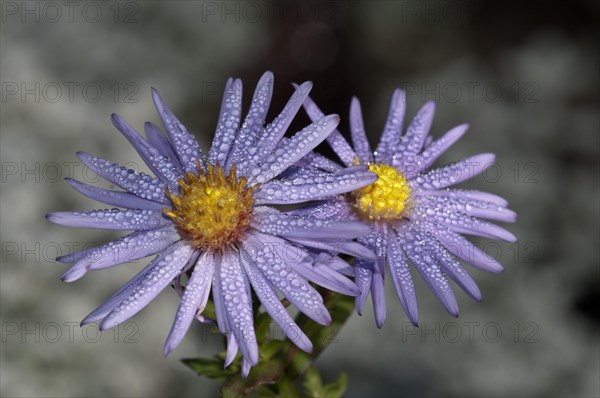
523, 74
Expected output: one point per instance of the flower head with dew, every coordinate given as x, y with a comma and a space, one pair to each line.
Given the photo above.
213, 219
412, 213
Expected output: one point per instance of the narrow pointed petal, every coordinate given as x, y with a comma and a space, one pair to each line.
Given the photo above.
470, 207
159, 164
238, 305
347, 247
246, 366
165, 268
137, 183
393, 128
358, 133
126, 220
320, 162
288, 192
403, 282
75, 256
254, 121
185, 145
269, 299
363, 275
378, 296
412, 142
465, 250
432, 152
217, 296
115, 198
335, 207
455, 173
156, 138
232, 349
294, 149
118, 297
128, 248
259, 250
271, 221
422, 256
194, 299
322, 275
303, 263
464, 224
337, 142
333, 262
467, 194
452, 268
277, 128
229, 122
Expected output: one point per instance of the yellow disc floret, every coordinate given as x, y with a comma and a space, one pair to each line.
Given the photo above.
386, 198
211, 210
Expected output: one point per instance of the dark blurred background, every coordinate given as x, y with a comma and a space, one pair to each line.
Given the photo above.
525, 75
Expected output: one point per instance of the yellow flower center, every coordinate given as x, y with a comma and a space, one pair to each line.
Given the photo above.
386, 198
212, 210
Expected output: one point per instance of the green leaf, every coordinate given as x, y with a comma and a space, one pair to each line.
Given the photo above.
262, 326
287, 388
268, 372
209, 310
312, 382
268, 350
211, 368
337, 388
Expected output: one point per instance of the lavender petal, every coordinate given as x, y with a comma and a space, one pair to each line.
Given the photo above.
127, 220
271, 221
337, 142
185, 145
470, 207
452, 268
432, 152
293, 149
158, 163
254, 121
258, 248
347, 247
455, 173
332, 261
119, 296
269, 299
464, 250
194, 299
392, 131
358, 134
363, 275
217, 295
156, 138
229, 122
128, 248
378, 296
277, 128
115, 198
422, 255
320, 162
412, 142
232, 349
139, 184
288, 192
403, 282
165, 268
238, 305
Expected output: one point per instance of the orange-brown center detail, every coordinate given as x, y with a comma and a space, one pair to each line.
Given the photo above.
212, 209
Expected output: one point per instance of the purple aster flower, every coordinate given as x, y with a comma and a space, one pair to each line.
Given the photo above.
213, 219
412, 213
